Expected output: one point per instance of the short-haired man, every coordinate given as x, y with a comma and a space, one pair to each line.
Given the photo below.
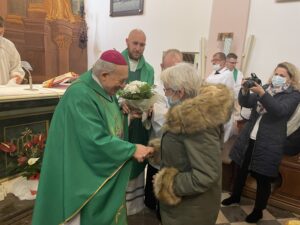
87, 163
170, 58
222, 75
231, 61
138, 69
10, 62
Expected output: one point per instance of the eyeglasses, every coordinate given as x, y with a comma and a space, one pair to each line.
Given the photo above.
168, 89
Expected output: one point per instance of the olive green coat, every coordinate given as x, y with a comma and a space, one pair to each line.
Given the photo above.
189, 185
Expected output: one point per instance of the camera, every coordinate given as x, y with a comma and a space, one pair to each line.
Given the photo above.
249, 83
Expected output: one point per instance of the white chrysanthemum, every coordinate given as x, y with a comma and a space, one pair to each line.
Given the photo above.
133, 89
137, 83
32, 161
134, 86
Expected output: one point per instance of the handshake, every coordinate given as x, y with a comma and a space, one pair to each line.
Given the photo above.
150, 152
143, 152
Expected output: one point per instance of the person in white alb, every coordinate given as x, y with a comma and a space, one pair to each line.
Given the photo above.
170, 58
231, 61
222, 75
10, 63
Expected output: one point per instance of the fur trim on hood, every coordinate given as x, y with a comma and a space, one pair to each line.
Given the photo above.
163, 186
210, 108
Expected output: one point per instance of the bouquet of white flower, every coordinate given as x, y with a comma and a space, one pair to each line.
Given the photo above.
138, 95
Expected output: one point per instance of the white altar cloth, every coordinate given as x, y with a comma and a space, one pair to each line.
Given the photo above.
20, 92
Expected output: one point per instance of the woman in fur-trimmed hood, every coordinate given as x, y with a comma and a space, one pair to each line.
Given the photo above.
189, 185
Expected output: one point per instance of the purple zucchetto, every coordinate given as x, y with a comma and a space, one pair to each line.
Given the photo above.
113, 56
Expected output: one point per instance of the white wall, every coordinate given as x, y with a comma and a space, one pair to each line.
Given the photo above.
277, 35
227, 19
180, 24
167, 24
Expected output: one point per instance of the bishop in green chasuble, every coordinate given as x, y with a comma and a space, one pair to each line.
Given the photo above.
87, 162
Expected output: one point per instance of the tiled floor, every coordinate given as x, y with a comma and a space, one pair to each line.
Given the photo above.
230, 215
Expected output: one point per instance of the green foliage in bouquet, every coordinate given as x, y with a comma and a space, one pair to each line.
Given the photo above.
136, 90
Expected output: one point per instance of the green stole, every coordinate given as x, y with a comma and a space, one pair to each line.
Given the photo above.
235, 73
137, 132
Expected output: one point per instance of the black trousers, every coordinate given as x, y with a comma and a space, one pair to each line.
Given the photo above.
263, 189
150, 200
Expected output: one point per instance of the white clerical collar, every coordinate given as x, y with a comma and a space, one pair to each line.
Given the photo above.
98, 82
223, 69
96, 79
133, 64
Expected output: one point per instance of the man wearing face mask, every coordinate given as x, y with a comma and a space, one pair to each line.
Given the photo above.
222, 75
259, 148
10, 63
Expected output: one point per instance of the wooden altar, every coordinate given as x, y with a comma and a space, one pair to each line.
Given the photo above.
20, 109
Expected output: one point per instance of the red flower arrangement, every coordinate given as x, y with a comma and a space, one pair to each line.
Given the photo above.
28, 151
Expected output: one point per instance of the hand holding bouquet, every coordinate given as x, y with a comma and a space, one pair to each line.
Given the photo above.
138, 95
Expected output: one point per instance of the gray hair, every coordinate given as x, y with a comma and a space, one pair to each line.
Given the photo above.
101, 66
174, 53
182, 76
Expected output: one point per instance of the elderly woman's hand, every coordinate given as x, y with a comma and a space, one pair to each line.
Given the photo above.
258, 89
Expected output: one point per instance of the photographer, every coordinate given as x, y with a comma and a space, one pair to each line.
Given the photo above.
259, 148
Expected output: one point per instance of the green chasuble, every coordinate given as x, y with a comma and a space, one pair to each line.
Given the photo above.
86, 165
137, 132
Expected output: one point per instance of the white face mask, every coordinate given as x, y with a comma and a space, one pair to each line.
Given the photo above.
172, 102
216, 67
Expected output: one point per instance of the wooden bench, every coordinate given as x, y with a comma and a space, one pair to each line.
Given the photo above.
286, 193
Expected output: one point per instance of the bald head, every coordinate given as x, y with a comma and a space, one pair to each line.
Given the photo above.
136, 32
136, 42
170, 58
